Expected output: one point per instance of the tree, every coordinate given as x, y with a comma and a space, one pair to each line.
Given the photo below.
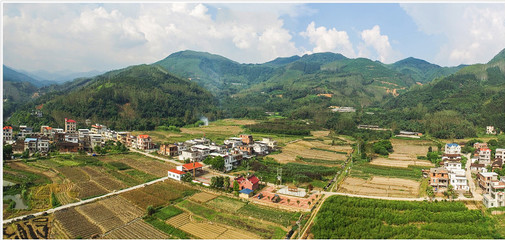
310, 187
26, 154
430, 192
430, 149
213, 182
150, 210
236, 186
298, 202
7, 152
226, 183
187, 177
54, 200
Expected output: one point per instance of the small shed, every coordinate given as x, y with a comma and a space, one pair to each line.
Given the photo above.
245, 193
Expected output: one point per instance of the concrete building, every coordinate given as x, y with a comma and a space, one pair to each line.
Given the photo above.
500, 153
7, 134
484, 179
496, 195
452, 148
439, 179
485, 156
458, 179
70, 126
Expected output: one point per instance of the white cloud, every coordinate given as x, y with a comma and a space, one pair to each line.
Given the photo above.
104, 36
472, 32
380, 43
328, 40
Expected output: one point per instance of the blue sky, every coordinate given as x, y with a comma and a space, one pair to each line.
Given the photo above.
87, 36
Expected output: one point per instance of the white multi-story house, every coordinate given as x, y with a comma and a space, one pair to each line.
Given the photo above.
43, 145
144, 142
490, 130
83, 133
457, 178
261, 149
25, 131
234, 142
95, 140
72, 138
485, 156
500, 153
452, 165
193, 156
496, 195
452, 148
34, 145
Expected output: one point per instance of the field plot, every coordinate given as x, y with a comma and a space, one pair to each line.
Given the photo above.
141, 163
227, 219
311, 149
64, 192
381, 186
75, 224
157, 194
123, 209
179, 220
203, 230
49, 173
366, 171
89, 189
29, 229
225, 203
75, 174
100, 216
202, 197
41, 197
405, 154
136, 230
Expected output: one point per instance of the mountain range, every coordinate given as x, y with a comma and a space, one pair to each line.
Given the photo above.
297, 87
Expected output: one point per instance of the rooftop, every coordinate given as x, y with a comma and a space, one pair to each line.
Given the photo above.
7, 127
176, 171
190, 166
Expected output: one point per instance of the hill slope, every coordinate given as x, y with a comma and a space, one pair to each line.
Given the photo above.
422, 71
137, 97
477, 92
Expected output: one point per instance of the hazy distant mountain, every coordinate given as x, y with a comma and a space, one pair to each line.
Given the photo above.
12, 75
17, 90
60, 76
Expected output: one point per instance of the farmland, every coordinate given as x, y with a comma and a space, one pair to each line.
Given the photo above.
69, 178
28, 229
313, 150
346, 217
157, 194
405, 154
380, 186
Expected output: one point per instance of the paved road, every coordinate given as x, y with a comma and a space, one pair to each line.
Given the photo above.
471, 183
153, 156
52, 210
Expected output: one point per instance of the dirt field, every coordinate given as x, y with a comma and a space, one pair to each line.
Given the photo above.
136, 230
320, 133
202, 197
29, 229
400, 162
306, 149
405, 154
381, 186
208, 230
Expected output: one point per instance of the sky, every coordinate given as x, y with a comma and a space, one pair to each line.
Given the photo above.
105, 36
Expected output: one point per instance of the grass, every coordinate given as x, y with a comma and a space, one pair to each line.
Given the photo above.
119, 165
322, 161
167, 212
328, 150
366, 170
226, 203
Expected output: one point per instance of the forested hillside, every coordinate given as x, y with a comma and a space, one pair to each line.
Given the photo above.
138, 97
422, 71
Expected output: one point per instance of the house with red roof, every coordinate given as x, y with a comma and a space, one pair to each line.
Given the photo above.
189, 167
7, 133
251, 182
144, 142
175, 174
70, 126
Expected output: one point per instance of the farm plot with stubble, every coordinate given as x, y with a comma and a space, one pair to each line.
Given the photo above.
75, 225
312, 150
136, 230
157, 194
380, 186
141, 163
405, 154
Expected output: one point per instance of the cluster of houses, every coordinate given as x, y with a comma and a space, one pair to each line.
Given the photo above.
69, 138
452, 172
234, 149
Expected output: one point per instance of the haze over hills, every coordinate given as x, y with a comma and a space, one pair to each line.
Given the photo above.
60, 76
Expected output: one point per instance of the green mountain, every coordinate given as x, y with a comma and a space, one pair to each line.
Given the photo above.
215, 73
476, 92
18, 89
422, 71
137, 97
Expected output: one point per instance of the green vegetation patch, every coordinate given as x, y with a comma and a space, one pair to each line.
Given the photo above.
282, 126
366, 170
266, 169
226, 203
120, 165
346, 217
167, 212
321, 161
